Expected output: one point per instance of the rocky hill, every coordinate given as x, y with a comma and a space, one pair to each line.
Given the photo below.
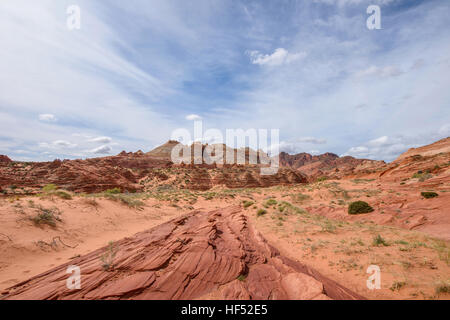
421, 163
329, 165
138, 171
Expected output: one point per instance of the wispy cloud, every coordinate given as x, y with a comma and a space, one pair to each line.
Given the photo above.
279, 57
192, 117
101, 140
101, 150
47, 117
135, 70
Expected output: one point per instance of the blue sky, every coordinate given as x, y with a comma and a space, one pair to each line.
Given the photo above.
136, 70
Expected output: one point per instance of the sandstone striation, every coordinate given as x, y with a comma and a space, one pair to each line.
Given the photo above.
215, 254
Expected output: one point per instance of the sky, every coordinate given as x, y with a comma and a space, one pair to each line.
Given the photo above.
137, 70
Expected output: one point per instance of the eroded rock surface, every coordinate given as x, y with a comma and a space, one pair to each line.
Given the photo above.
200, 255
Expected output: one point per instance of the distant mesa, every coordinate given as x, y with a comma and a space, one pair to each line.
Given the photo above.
4, 159
135, 171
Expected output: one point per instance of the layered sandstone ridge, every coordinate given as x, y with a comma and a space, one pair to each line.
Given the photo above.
135, 172
430, 162
329, 165
215, 254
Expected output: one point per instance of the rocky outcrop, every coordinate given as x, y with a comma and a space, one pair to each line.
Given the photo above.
214, 254
132, 172
91, 175
164, 151
423, 163
4, 160
329, 165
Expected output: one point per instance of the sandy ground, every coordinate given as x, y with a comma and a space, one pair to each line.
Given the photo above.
315, 230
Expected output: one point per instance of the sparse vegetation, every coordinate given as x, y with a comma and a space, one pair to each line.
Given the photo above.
49, 188
422, 176
241, 277
378, 241
108, 256
397, 285
261, 212
359, 207
91, 202
63, 195
247, 203
130, 200
429, 195
47, 216
299, 197
442, 288
113, 191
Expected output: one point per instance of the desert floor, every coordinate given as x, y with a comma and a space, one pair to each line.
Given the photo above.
407, 236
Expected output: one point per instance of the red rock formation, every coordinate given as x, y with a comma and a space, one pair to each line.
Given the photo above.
430, 159
128, 171
4, 160
214, 254
329, 165
91, 175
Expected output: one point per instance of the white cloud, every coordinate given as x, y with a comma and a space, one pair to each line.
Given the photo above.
295, 146
89, 87
342, 3
384, 140
47, 117
311, 140
382, 72
192, 117
105, 149
390, 147
444, 131
101, 140
57, 144
279, 57
63, 143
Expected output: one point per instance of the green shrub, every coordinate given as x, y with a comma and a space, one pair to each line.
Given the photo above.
322, 179
261, 212
46, 216
127, 199
241, 277
397, 285
300, 197
428, 195
49, 188
443, 288
108, 256
378, 240
271, 202
422, 176
63, 195
113, 191
359, 207
247, 203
